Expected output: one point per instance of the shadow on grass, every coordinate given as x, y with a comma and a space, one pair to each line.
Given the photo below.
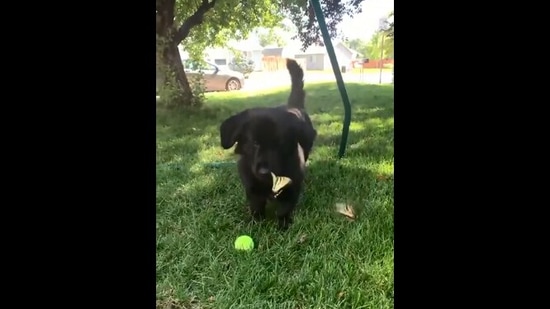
349, 180
188, 141
182, 135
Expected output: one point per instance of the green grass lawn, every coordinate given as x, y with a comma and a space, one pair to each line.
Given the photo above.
324, 260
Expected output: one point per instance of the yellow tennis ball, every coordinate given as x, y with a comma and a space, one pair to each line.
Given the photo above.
244, 242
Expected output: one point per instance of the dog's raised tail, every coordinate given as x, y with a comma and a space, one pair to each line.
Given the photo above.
297, 94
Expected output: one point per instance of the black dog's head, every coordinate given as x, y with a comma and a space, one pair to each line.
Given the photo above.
266, 138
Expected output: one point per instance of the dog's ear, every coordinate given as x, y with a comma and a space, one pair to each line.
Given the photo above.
231, 129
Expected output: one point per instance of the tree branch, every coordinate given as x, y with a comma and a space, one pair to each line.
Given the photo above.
389, 31
193, 20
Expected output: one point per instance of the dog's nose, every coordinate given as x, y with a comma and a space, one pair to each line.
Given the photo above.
263, 171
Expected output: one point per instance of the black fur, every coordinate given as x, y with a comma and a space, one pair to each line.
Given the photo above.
276, 139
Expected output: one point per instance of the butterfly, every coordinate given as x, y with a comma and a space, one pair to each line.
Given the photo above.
279, 182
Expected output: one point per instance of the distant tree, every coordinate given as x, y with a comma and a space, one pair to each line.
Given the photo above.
389, 30
373, 50
271, 37
359, 45
390, 33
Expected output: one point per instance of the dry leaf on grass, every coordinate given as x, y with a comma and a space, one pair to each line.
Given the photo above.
302, 238
346, 210
384, 177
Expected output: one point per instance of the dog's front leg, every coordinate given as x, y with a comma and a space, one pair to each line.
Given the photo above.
287, 202
284, 215
256, 203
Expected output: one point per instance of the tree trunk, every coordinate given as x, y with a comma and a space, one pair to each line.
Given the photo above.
172, 83
171, 78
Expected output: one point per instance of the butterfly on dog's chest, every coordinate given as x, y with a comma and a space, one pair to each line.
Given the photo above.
279, 183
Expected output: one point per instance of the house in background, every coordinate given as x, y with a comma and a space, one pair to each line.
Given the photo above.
251, 51
316, 57
218, 55
222, 56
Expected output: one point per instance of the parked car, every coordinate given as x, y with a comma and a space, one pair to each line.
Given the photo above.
216, 78
244, 66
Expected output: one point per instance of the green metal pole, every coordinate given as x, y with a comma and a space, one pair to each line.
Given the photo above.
339, 80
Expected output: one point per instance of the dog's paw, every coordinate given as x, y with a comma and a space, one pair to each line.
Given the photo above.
258, 216
284, 223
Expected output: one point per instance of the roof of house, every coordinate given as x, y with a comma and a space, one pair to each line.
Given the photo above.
354, 51
274, 51
316, 49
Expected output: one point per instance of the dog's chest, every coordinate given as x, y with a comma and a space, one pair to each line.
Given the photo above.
264, 190
261, 189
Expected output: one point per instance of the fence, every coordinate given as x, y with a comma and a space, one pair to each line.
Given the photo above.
275, 63
372, 64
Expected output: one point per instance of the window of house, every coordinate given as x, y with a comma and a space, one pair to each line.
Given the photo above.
220, 61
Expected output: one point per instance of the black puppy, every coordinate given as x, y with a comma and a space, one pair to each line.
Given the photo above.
276, 139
